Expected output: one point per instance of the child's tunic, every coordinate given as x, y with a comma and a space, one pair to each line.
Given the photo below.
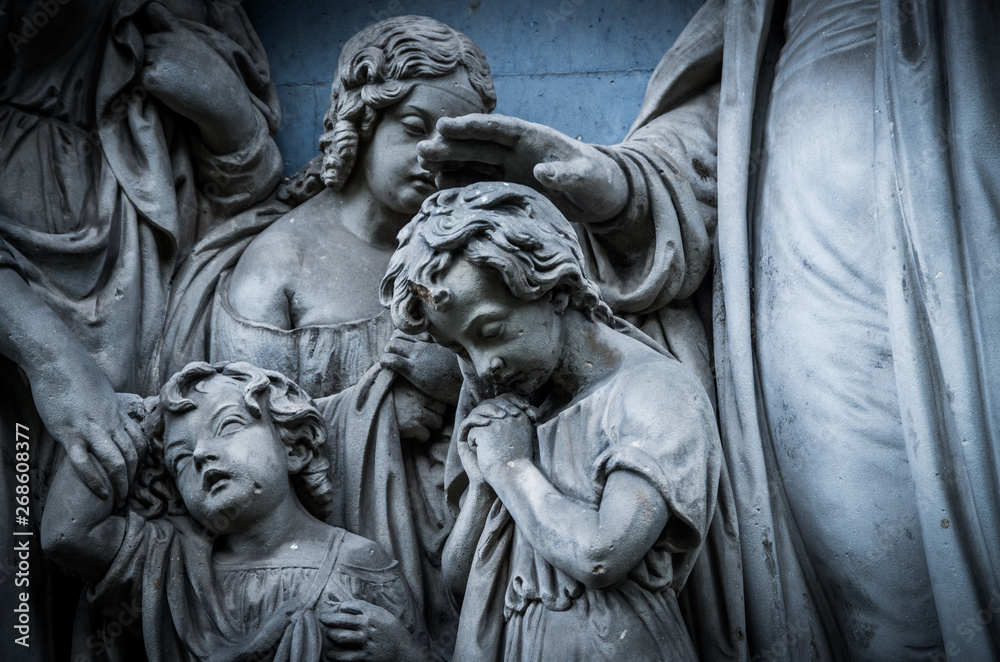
194, 608
655, 421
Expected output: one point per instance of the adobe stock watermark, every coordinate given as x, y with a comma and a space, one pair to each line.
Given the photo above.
23, 534
100, 642
32, 24
565, 11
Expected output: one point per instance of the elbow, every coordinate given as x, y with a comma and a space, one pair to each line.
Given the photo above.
59, 541
602, 567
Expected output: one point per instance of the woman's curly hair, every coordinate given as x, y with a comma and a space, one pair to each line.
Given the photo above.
378, 67
295, 419
508, 227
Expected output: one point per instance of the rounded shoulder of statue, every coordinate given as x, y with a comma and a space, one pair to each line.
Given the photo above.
364, 554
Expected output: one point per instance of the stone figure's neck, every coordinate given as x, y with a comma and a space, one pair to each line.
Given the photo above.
364, 216
590, 356
270, 534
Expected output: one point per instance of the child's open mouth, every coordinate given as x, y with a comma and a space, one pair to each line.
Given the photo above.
214, 480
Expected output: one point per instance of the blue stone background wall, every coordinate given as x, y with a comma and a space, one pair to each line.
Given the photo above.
580, 66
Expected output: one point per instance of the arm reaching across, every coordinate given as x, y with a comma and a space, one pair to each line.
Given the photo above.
79, 531
585, 185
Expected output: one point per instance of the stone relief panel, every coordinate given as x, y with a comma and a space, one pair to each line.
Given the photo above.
466, 387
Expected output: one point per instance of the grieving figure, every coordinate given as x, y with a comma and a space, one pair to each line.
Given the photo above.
592, 457
231, 559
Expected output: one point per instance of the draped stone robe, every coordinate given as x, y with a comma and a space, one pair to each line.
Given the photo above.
104, 190
934, 251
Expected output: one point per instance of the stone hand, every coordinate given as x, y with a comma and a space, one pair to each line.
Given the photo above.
417, 414
193, 80
84, 415
467, 450
500, 430
425, 364
357, 630
584, 183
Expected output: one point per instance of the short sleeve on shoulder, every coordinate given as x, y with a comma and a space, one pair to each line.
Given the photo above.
661, 427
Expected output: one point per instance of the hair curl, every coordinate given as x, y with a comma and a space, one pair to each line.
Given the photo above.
507, 227
295, 419
378, 67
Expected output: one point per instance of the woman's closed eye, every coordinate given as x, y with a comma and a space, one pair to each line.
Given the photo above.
414, 125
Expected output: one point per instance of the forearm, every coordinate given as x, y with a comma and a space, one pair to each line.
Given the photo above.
574, 538
460, 548
79, 531
231, 131
670, 216
32, 335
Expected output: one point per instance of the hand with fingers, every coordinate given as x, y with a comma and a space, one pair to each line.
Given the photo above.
417, 414
499, 431
194, 81
357, 630
84, 415
583, 182
425, 364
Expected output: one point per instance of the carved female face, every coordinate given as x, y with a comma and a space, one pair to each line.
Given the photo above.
388, 163
229, 465
511, 342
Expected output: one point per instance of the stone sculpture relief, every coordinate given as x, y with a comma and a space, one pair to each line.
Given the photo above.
591, 454
763, 251
296, 290
116, 159
223, 546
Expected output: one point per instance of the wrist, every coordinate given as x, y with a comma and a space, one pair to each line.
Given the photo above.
505, 474
615, 194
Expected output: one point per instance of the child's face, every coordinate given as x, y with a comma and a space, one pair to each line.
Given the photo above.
228, 465
389, 161
512, 343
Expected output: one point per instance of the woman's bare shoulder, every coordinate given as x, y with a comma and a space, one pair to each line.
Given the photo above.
263, 279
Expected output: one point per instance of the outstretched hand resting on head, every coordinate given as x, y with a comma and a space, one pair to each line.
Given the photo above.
584, 183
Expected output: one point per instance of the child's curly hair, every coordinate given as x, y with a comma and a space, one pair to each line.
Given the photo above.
507, 227
295, 419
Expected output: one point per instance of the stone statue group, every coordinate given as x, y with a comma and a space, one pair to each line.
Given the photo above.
466, 388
